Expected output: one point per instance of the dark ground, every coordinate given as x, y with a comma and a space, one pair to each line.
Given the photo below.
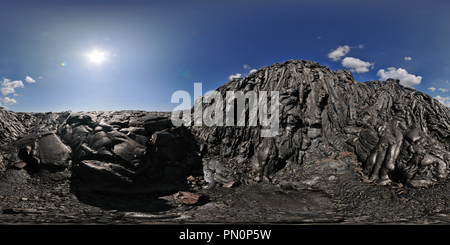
35, 199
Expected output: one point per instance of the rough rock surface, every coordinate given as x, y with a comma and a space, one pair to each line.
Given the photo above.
126, 152
398, 133
336, 138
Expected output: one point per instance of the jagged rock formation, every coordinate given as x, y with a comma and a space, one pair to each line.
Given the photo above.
126, 151
328, 122
396, 132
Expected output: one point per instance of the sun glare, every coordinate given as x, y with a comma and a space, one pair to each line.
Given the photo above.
97, 57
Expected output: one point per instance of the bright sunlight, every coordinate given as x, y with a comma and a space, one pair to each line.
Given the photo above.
97, 57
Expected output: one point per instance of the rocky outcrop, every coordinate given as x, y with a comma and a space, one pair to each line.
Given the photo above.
29, 139
328, 122
126, 151
328, 126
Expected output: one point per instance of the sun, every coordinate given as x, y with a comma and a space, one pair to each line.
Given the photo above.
97, 57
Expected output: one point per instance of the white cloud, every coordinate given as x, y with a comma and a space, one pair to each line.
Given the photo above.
8, 86
7, 90
29, 80
408, 58
406, 79
432, 89
13, 84
356, 65
443, 90
445, 101
7, 100
247, 67
361, 46
238, 75
339, 52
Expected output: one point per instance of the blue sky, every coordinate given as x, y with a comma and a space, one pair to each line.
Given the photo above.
154, 48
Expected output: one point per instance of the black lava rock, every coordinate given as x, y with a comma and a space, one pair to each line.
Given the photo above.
398, 133
326, 123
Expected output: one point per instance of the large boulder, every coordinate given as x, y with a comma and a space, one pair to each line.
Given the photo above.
37, 149
109, 155
327, 123
51, 151
122, 151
